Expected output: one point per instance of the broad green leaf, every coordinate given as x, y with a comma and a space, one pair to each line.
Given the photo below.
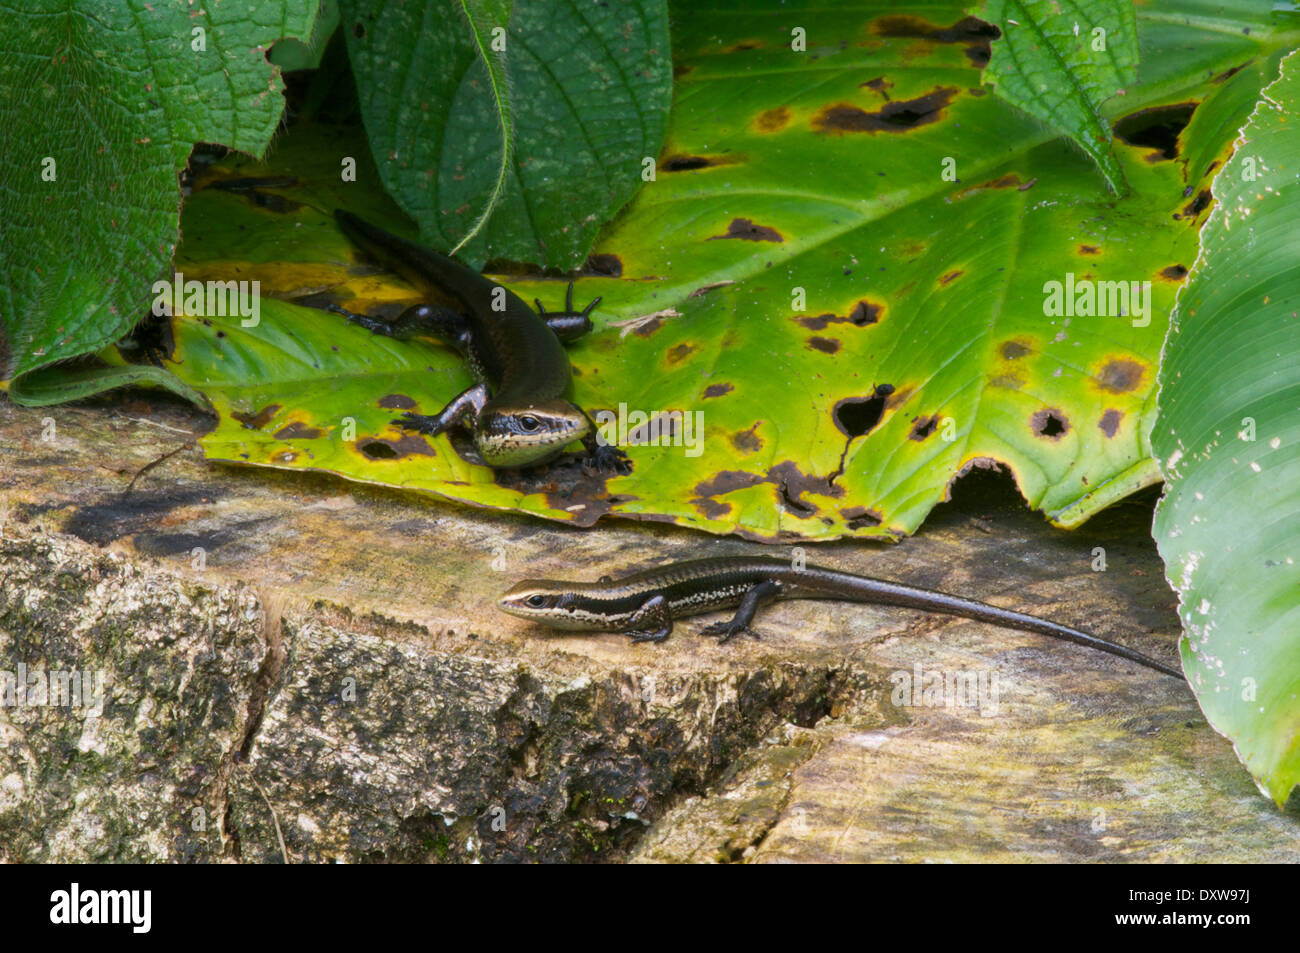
1227, 432
584, 95
57, 385
802, 251
483, 16
103, 100
785, 173
1060, 60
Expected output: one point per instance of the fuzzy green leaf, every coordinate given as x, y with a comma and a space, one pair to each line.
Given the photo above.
1060, 60
103, 100
580, 93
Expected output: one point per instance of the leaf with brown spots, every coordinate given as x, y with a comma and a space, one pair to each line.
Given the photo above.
932, 285
772, 120
748, 231
894, 117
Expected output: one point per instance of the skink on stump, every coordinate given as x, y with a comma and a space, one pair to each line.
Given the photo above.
518, 413
645, 604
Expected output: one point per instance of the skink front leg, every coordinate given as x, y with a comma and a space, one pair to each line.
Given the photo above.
604, 458
652, 622
467, 404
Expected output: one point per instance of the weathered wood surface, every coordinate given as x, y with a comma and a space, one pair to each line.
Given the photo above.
333, 665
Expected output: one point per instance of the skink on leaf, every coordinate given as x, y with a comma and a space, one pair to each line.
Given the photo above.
644, 605
518, 413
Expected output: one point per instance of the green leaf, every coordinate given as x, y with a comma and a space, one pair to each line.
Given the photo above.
58, 385
824, 174
482, 16
103, 101
1060, 60
1227, 432
585, 98
293, 54
799, 249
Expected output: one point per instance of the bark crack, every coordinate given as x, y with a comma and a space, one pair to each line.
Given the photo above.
268, 675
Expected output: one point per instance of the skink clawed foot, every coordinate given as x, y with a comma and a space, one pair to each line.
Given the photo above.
727, 630
649, 635
373, 325
567, 324
607, 458
420, 423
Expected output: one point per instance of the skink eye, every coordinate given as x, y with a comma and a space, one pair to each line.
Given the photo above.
536, 600
529, 423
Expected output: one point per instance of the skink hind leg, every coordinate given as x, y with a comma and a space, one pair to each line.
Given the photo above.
739, 623
567, 324
373, 325
441, 323
652, 622
467, 404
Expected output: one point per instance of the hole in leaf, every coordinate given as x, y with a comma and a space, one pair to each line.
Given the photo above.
603, 264
864, 313
1198, 205
923, 427
855, 416
1156, 128
377, 450
1050, 423
859, 517
793, 502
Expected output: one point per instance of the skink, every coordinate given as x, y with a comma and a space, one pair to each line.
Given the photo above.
645, 604
517, 413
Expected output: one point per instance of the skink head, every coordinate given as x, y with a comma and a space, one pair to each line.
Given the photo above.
552, 603
521, 435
